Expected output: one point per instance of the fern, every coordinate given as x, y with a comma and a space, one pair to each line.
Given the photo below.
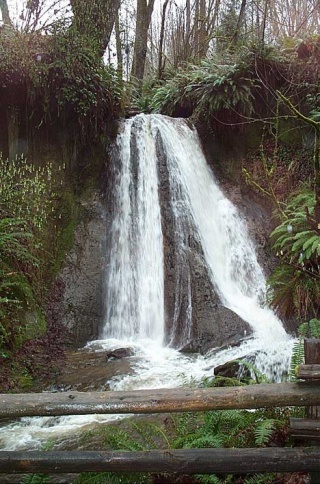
264, 430
261, 479
150, 435
310, 329
205, 441
294, 287
25, 204
212, 479
211, 88
255, 373
35, 479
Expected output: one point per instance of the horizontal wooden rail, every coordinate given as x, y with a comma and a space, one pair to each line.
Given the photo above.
304, 428
309, 372
160, 401
184, 461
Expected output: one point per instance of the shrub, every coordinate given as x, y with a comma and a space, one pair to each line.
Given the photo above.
294, 287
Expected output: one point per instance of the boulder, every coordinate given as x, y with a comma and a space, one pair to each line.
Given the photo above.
119, 353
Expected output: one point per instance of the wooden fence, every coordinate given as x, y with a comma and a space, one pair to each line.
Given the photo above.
183, 461
191, 461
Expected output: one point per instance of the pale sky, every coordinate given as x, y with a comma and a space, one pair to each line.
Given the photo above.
16, 7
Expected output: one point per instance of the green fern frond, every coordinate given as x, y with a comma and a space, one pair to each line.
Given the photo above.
205, 441
35, 479
264, 430
261, 479
212, 479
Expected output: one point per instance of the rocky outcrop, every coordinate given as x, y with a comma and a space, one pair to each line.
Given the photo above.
82, 275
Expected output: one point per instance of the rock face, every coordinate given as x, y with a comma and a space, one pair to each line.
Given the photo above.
82, 275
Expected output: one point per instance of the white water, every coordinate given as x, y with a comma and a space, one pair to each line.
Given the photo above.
134, 299
228, 249
135, 308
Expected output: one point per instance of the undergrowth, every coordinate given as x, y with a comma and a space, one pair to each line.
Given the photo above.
30, 334
25, 206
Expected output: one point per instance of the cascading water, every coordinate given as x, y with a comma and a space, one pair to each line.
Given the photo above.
134, 288
136, 311
229, 253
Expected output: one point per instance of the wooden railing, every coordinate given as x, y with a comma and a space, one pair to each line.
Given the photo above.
160, 401
183, 461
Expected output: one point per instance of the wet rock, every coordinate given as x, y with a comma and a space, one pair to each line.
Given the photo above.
229, 369
87, 371
82, 303
119, 353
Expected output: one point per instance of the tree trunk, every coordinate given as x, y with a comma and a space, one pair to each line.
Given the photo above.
264, 21
163, 19
236, 34
144, 13
94, 21
5, 13
118, 47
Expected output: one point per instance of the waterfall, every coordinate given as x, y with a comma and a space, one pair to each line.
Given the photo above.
135, 280
134, 288
163, 192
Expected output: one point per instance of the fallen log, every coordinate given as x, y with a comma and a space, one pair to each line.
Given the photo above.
183, 461
160, 401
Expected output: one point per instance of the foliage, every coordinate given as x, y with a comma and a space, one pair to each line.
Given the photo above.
25, 191
294, 287
58, 76
229, 428
116, 439
25, 206
215, 429
210, 89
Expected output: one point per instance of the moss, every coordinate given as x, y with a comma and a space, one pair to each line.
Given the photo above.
25, 382
35, 325
69, 215
291, 132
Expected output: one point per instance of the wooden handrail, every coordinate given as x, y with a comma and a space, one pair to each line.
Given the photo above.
160, 401
184, 461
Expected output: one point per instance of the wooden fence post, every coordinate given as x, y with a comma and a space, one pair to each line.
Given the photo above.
312, 357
